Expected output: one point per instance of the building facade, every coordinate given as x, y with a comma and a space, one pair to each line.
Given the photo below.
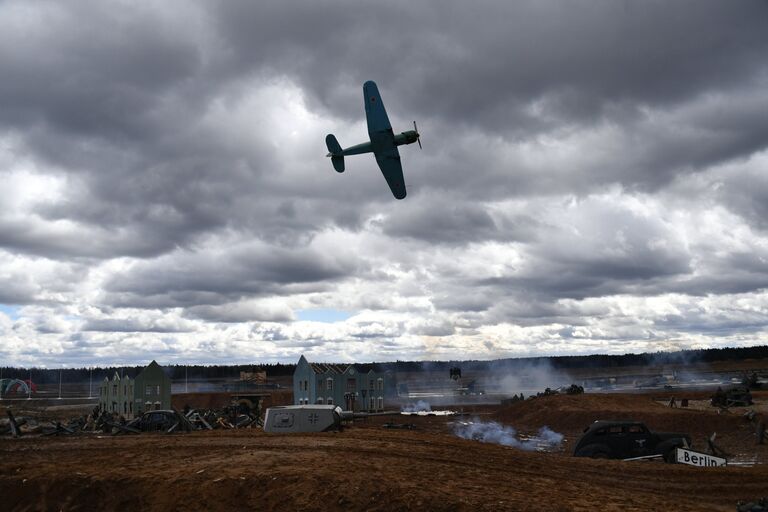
350, 387
150, 390
116, 395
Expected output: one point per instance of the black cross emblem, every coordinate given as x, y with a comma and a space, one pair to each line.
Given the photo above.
313, 418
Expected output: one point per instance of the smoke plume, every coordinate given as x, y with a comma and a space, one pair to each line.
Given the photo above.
419, 406
492, 432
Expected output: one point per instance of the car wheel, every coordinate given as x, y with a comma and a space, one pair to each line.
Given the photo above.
600, 455
670, 457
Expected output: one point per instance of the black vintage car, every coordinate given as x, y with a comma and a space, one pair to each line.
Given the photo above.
627, 439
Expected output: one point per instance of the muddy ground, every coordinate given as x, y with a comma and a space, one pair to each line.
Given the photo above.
368, 467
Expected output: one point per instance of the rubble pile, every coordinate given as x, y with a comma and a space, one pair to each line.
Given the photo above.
168, 421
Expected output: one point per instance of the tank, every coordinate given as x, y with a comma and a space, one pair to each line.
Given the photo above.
291, 419
304, 418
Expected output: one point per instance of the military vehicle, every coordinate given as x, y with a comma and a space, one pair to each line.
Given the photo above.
628, 439
287, 419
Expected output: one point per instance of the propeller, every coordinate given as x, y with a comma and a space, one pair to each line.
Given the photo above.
418, 136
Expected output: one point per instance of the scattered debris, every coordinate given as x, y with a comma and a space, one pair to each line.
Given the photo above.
715, 449
400, 426
758, 423
58, 430
738, 396
168, 421
760, 505
751, 381
14, 427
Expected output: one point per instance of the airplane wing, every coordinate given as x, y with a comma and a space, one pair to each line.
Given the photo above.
374, 110
383, 140
389, 163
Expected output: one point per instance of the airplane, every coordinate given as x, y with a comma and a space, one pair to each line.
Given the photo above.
383, 142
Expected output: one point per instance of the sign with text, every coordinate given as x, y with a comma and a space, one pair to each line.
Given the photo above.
698, 459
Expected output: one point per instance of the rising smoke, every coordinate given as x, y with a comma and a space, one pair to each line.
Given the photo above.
419, 406
492, 432
529, 377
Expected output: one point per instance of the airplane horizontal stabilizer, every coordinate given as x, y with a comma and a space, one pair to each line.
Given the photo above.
335, 152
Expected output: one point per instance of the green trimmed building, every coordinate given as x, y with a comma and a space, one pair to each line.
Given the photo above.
150, 390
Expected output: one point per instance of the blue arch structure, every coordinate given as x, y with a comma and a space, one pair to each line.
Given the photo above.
15, 386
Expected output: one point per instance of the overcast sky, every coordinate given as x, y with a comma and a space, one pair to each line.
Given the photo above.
593, 180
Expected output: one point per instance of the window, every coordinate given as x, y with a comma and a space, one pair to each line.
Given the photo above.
351, 385
371, 403
371, 384
320, 400
380, 384
381, 402
319, 384
157, 390
330, 400
329, 383
148, 390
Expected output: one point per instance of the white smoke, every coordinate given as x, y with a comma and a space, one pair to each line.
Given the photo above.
492, 432
419, 406
529, 378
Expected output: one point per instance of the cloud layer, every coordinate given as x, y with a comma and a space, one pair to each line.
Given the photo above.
593, 179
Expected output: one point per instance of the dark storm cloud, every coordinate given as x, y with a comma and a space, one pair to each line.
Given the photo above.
122, 107
234, 313
130, 325
185, 142
442, 223
92, 70
748, 197
193, 279
526, 68
15, 290
509, 53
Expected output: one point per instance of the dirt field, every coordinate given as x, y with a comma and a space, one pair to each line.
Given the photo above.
367, 467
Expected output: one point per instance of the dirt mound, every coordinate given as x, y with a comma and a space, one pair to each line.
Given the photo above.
571, 414
366, 468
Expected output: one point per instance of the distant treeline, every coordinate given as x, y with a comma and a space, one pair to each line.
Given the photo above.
681, 357
196, 372
175, 372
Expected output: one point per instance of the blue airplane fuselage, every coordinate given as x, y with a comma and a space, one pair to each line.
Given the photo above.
381, 140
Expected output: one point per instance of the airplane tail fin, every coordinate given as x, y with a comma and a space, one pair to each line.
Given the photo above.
335, 152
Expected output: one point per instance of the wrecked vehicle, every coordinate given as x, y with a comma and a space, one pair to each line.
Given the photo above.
628, 439
738, 396
153, 421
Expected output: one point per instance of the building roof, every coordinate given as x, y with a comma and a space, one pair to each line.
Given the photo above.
327, 368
